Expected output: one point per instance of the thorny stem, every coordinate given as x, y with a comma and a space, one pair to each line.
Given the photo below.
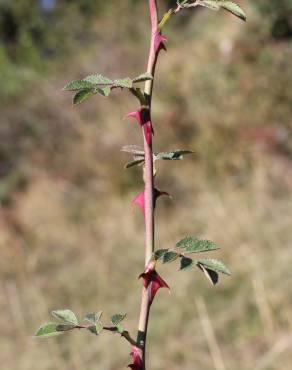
149, 185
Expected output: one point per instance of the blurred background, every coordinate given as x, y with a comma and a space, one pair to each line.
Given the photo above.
68, 237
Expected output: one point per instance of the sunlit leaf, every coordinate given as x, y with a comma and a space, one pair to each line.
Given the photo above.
194, 245
93, 317
48, 330
173, 155
230, 6
124, 82
66, 315
78, 85
98, 79
214, 265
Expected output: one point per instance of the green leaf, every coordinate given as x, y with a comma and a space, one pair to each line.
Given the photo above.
104, 91
116, 319
124, 82
173, 155
48, 330
234, 9
230, 6
95, 329
134, 163
66, 315
143, 77
78, 85
186, 263
83, 95
214, 265
93, 317
98, 79
194, 245
170, 257
160, 253
211, 275
120, 328
65, 327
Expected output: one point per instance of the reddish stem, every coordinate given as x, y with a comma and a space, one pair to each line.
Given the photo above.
149, 185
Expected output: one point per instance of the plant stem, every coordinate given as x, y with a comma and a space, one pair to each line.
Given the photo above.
124, 334
149, 185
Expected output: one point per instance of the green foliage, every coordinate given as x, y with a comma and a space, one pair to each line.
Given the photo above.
194, 245
188, 245
211, 275
225, 4
160, 253
98, 84
143, 77
214, 265
83, 95
66, 315
93, 317
123, 83
96, 329
117, 319
186, 263
230, 6
48, 330
170, 256
173, 155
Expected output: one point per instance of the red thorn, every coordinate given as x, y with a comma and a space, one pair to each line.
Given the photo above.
159, 42
137, 359
153, 280
140, 198
140, 201
143, 117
